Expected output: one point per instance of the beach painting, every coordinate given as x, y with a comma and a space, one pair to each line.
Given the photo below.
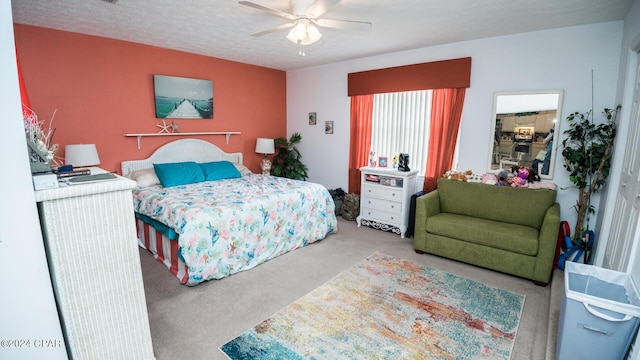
183, 98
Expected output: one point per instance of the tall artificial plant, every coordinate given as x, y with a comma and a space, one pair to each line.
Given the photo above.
587, 153
287, 162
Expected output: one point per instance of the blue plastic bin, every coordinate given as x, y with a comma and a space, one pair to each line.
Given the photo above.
599, 313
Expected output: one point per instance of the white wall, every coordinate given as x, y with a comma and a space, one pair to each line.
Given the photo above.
553, 59
27, 306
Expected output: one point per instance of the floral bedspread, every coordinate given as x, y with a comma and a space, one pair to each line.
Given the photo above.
231, 225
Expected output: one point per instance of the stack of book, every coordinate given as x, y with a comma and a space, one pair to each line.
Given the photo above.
73, 172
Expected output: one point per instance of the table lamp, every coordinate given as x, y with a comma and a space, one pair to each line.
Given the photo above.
265, 146
79, 155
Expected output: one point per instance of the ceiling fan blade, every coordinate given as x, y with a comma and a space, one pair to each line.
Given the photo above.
267, 9
268, 31
343, 24
320, 7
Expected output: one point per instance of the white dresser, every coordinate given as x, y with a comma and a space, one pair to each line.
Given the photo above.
385, 195
90, 239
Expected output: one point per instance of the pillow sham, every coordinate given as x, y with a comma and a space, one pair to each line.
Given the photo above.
144, 177
218, 170
243, 169
182, 173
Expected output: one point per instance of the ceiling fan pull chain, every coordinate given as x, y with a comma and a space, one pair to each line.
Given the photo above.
301, 52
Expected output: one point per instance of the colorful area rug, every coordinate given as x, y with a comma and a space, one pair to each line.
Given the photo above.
388, 308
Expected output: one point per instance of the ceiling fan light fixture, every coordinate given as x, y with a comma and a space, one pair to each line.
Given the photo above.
304, 14
313, 34
304, 33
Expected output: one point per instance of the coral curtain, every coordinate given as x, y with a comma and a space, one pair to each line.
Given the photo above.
446, 110
28, 114
360, 144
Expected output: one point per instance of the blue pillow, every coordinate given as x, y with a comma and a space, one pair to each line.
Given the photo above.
182, 173
218, 170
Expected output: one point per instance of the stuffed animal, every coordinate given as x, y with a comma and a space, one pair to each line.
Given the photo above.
454, 175
503, 177
458, 176
532, 175
517, 181
521, 178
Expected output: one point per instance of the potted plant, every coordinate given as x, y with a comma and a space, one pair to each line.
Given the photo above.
287, 162
587, 153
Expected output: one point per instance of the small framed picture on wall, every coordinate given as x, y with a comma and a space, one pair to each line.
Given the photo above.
328, 127
312, 118
382, 161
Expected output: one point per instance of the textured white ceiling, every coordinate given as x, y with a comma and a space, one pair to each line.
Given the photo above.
222, 28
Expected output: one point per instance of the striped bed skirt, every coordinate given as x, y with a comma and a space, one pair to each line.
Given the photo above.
163, 249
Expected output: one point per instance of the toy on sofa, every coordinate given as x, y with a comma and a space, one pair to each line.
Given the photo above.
520, 180
455, 175
503, 177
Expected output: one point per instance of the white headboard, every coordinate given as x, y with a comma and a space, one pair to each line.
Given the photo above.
181, 150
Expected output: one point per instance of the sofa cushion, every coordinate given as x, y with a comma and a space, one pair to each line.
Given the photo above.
520, 206
510, 237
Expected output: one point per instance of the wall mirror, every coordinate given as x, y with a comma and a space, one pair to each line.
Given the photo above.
524, 130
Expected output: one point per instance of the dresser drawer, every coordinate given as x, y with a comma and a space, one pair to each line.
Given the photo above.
381, 192
382, 204
380, 215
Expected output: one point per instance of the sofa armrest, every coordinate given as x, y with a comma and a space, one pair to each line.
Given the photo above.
426, 205
547, 241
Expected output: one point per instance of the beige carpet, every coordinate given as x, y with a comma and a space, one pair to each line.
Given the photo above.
192, 322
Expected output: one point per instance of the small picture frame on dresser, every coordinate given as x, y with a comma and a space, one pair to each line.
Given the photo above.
382, 161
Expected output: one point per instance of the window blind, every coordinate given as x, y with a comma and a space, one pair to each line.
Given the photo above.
401, 125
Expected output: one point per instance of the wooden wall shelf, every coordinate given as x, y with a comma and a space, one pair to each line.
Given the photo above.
226, 133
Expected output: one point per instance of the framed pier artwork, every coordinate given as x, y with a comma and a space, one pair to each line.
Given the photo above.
183, 98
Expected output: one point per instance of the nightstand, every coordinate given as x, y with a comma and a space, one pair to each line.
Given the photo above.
90, 239
385, 197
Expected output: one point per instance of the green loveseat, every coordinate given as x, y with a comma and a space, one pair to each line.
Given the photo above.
511, 230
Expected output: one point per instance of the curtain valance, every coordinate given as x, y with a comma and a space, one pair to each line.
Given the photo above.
454, 73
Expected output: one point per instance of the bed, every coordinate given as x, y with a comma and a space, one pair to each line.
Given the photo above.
212, 227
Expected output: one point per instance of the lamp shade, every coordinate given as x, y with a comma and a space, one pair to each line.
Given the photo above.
265, 146
81, 155
304, 33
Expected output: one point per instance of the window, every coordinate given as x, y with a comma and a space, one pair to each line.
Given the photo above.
401, 125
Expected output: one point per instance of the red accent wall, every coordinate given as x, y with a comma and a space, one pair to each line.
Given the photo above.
102, 88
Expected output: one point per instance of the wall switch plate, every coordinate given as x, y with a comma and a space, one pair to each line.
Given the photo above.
45, 181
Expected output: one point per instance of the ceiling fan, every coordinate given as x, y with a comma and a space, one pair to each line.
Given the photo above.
304, 16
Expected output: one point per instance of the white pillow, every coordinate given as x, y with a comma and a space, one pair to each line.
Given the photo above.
243, 169
144, 177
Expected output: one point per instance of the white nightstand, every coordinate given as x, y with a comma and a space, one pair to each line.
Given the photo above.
385, 196
92, 250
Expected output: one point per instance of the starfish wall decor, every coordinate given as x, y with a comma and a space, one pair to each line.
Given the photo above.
170, 128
